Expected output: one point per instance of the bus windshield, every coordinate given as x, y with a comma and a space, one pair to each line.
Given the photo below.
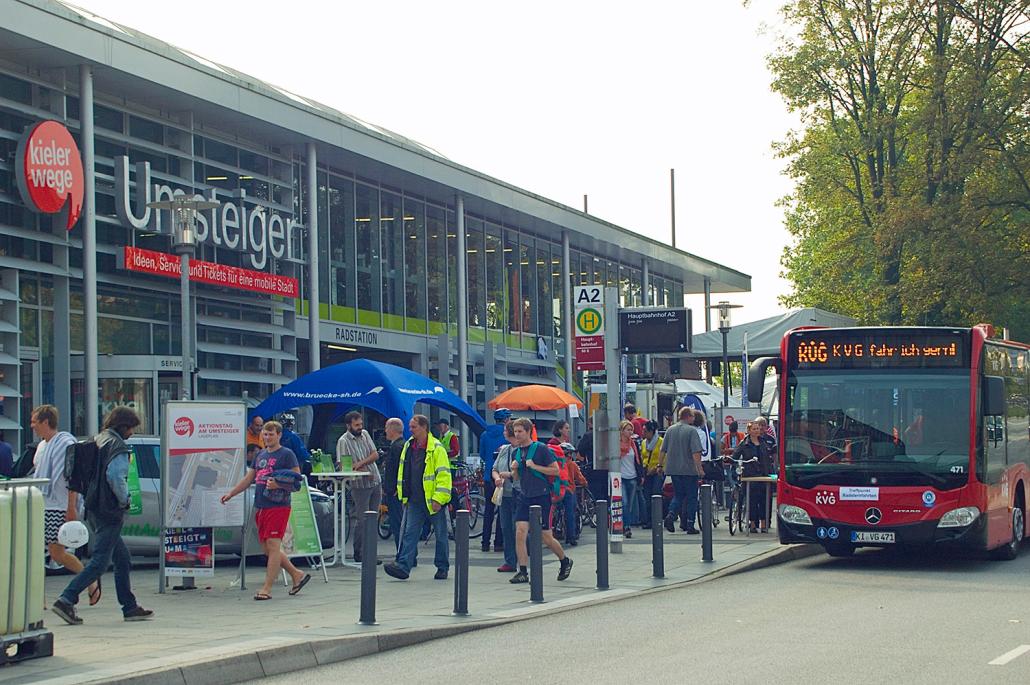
877, 427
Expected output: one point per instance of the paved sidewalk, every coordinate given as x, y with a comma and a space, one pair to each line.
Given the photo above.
213, 633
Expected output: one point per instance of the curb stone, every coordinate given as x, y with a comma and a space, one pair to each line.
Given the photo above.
251, 665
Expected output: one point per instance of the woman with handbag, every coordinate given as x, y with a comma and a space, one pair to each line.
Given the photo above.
629, 467
754, 447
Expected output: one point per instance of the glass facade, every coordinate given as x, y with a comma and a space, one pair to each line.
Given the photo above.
387, 255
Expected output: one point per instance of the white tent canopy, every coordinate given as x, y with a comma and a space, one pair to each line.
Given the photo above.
764, 335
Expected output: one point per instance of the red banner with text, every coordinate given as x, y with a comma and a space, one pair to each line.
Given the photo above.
161, 264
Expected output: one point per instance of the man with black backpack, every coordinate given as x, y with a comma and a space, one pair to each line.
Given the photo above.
107, 499
60, 502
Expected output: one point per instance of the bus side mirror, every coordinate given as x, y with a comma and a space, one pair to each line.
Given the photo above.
756, 377
994, 396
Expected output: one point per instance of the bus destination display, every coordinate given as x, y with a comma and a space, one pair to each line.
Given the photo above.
849, 350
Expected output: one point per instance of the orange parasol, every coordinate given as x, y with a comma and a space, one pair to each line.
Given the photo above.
534, 398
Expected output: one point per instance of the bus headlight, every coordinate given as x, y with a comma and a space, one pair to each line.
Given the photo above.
796, 515
959, 518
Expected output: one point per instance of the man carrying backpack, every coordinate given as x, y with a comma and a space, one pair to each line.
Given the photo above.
59, 502
107, 499
534, 466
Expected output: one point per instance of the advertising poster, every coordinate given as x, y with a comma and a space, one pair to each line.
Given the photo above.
301, 538
204, 456
189, 552
615, 486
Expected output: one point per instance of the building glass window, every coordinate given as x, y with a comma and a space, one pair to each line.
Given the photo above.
476, 267
16, 89
557, 295
341, 245
494, 257
545, 325
452, 269
369, 267
527, 304
513, 283
324, 285
144, 129
391, 225
436, 257
111, 119
415, 269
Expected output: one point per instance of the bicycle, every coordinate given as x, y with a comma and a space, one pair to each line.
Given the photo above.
466, 484
383, 522
737, 517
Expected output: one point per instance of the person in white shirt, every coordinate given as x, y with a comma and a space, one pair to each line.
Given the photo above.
59, 503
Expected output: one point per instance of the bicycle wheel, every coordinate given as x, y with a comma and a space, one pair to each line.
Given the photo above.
732, 514
588, 511
741, 510
384, 525
476, 506
558, 523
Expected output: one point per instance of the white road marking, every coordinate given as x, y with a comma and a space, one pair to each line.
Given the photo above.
1010, 655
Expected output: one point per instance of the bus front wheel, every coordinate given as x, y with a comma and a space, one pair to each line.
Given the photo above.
1010, 551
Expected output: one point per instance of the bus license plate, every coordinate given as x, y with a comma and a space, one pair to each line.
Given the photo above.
872, 536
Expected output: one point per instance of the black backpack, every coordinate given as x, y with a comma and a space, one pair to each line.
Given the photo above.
80, 465
23, 466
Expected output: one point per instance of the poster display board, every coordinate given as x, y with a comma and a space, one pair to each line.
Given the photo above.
203, 457
301, 538
615, 493
189, 552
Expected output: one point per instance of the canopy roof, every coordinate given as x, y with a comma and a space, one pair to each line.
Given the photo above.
764, 335
388, 389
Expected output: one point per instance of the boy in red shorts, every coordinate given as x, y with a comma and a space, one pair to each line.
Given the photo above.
271, 506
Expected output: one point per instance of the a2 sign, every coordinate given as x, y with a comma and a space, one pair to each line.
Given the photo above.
645, 330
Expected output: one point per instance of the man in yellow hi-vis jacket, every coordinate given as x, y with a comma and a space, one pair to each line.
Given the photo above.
424, 487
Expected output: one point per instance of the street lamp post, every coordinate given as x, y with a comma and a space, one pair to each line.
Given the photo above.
184, 242
724, 308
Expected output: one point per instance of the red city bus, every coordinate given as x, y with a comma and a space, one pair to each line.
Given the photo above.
894, 437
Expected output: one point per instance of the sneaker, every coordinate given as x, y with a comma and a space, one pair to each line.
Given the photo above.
505, 568
441, 574
67, 612
670, 524
691, 531
485, 547
566, 568
138, 614
395, 571
518, 578
628, 533
572, 543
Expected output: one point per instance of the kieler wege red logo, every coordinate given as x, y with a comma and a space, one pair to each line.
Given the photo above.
49, 171
183, 426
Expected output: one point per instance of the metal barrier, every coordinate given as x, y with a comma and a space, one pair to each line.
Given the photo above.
461, 563
657, 538
369, 561
22, 635
601, 509
536, 555
706, 522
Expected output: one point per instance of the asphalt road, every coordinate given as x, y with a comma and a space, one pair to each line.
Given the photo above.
873, 618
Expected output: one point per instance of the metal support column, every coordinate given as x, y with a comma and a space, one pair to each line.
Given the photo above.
645, 301
311, 196
536, 555
568, 328
89, 251
612, 362
461, 563
708, 324
463, 319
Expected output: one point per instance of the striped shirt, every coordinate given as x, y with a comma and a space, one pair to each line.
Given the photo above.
49, 463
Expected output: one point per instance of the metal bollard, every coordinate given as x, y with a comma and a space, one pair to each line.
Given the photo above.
601, 507
461, 563
706, 522
657, 538
368, 569
536, 555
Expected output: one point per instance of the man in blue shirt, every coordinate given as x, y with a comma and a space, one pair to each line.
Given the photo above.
491, 440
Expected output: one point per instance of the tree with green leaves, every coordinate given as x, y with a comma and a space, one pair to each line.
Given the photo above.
912, 166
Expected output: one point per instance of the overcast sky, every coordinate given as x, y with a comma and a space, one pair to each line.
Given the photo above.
560, 98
